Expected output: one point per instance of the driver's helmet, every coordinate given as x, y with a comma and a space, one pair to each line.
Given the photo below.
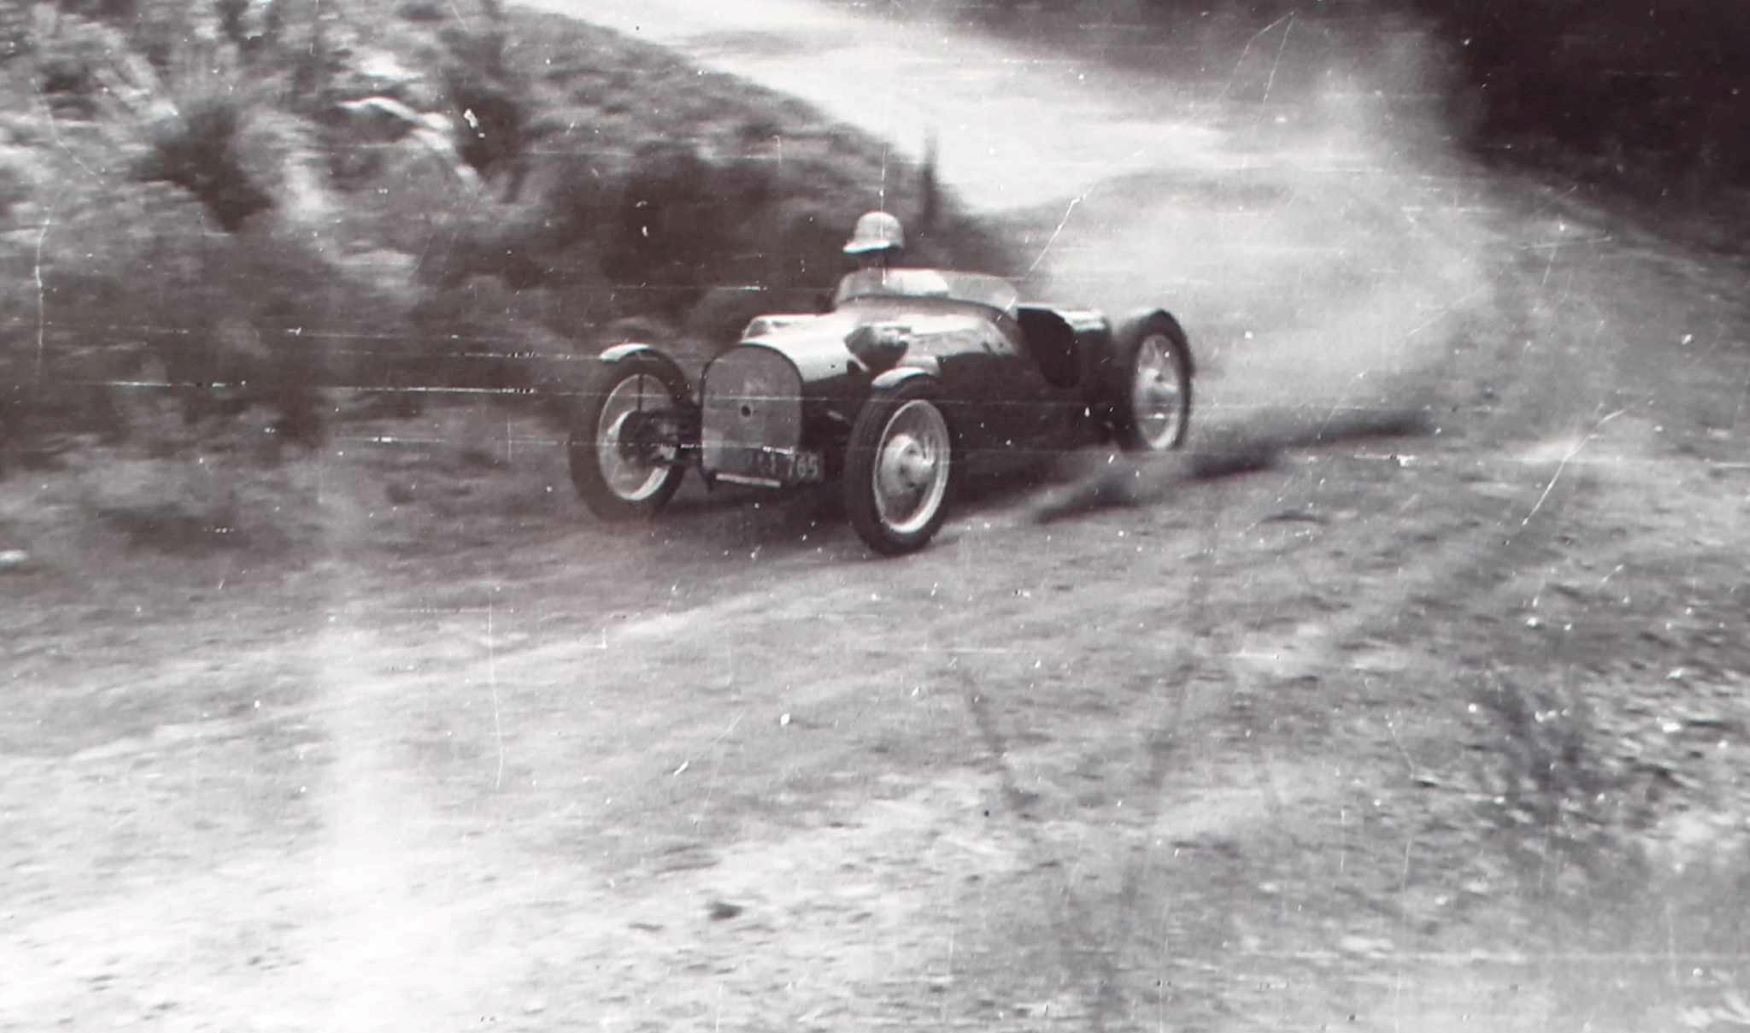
875, 231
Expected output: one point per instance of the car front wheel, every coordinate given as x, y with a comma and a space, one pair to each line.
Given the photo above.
899, 468
623, 449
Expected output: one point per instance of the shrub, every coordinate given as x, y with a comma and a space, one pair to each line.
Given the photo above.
70, 66
233, 20
1652, 89
479, 333
197, 149
488, 101
255, 318
666, 227
493, 123
575, 201
430, 11
17, 179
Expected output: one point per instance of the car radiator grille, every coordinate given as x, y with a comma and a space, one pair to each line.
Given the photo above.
752, 399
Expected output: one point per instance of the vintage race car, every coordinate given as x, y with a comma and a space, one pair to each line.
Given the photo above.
915, 377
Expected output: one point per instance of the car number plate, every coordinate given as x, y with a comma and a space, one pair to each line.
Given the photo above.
773, 466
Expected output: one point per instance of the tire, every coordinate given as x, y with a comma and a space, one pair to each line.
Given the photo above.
899, 469
617, 481
1151, 400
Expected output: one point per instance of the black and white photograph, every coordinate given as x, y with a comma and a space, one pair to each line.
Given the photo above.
824, 516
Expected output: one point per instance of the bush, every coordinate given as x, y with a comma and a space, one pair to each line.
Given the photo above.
1651, 84
480, 334
667, 228
197, 149
1649, 94
488, 101
255, 318
70, 66
430, 11
54, 372
576, 199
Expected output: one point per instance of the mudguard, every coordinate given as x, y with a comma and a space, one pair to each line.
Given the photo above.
900, 374
1146, 313
622, 352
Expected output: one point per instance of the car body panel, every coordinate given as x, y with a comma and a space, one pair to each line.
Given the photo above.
1013, 380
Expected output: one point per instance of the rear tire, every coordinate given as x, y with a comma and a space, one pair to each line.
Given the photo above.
617, 479
1151, 399
898, 475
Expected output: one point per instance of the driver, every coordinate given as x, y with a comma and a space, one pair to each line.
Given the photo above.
877, 241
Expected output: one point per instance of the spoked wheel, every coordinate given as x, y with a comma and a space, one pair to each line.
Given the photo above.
1153, 406
624, 454
899, 469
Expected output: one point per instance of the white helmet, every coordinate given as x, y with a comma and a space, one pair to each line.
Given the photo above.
875, 231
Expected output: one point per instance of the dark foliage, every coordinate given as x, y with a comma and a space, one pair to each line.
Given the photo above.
493, 137
197, 150
1651, 94
1651, 88
103, 10
429, 11
232, 19
488, 101
245, 24
669, 225
68, 64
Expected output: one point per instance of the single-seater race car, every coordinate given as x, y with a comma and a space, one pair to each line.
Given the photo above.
915, 377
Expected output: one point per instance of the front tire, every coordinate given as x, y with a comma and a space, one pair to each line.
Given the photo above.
899, 468
618, 474
1152, 399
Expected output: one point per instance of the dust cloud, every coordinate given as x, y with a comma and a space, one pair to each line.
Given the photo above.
1332, 259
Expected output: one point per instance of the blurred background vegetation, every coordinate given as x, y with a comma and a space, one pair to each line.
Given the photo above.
215, 208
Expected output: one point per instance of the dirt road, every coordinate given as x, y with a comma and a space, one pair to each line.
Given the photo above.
1223, 760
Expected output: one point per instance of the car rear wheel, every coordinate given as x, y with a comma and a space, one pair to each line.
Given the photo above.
1153, 403
624, 461
899, 468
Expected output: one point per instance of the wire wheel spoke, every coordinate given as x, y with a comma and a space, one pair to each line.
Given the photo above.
911, 467
632, 470
1156, 394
